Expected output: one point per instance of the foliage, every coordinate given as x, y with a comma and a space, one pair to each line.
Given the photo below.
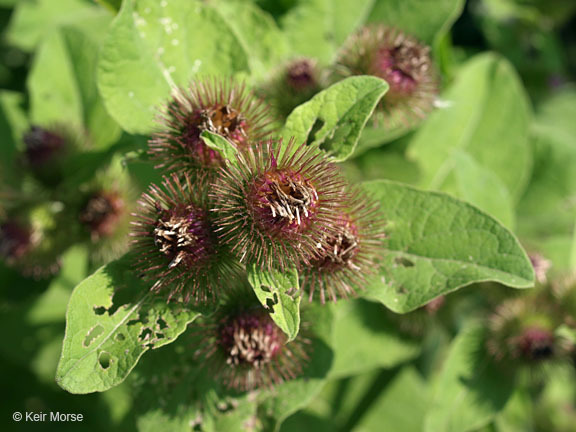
464, 237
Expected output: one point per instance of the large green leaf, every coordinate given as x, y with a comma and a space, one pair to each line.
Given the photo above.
365, 339
154, 46
113, 5
34, 20
280, 294
546, 210
70, 97
37, 324
317, 28
112, 320
437, 244
421, 18
471, 388
483, 129
13, 123
335, 117
295, 394
390, 410
258, 33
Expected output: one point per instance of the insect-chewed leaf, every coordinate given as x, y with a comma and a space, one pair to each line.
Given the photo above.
112, 320
280, 294
335, 117
437, 244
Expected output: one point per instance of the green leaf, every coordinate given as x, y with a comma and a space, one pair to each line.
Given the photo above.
335, 117
547, 209
112, 320
184, 393
553, 410
35, 20
421, 18
295, 394
13, 124
217, 142
71, 97
317, 28
280, 294
154, 46
481, 187
365, 339
437, 244
258, 33
485, 127
37, 324
373, 137
389, 411
113, 5
517, 414
471, 389
379, 164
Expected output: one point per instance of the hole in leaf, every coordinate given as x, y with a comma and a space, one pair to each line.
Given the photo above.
227, 405
401, 290
105, 359
94, 333
339, 135
99, 310
161, 323
145, 334
266, 288
404, 262
318, 124
272, 301
120, 337
159, 335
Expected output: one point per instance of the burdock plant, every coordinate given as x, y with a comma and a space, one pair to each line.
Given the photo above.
215, 105
523, 332
278, 203
292, 84
48, 150
405, 64
103, 208
347, 255
177, 247
245, 350
32, 239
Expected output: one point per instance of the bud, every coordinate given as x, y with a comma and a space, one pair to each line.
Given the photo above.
522, 331
32, 239
245, 350
42, 146
347, 255
47, 152
176, 244
103, 210
15, 241
403, 62
292, 84
277, 204
217, 106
